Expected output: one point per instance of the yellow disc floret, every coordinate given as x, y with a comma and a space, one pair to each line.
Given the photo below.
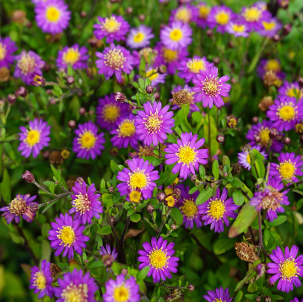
127, 128
67, 236
2, 51
169, 55
288, 269
183, 14
195, 65
264, 136
135, 196
222, 18
187, 155
252, 14
52, 14
121, 293
75, 293
139, 37
138, 180
114, 59
158, 259
111, 25
39, 280
204, 11
33, 137
287, 169
71, 56
176, 34
287, 112
87, 140
189, 209
153, 122
216, 209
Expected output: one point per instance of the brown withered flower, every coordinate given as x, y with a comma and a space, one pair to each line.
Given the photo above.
271, 79
246, 252
19, 16
183, 97
54, 269
146, 52
55, 158
265, 103
4, 74
146, 151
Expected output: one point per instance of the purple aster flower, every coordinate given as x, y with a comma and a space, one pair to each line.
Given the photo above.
36, 79
52, 16
155, 77
237, 28
220, 294
220, 16
186, 154
187, 94
114, 60
153, 123
66, 236
107, 251
121, 289
184, 14
34, 139
41, 280
76, 287
201, 18
285, 113
7, 48
296, 300
210, 87
27, 64
176, 36
125, 133
113, 28
291, 90
139, 176
261, 5
19, 206
88, 142
158, 256
189, 68
74, 55
288, 268
244, 158
139, 37
270, 199
254, 16
85, 203
272, 64
216, 210
269, 27
288, 168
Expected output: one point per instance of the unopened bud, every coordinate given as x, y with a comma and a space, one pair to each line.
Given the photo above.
157, 96
52, 101
83, 14
21, 92
162, 69
173, 227
124, 271
267, 299
286, 29
34, 208
150, 209
273, 133
230, 44
80, 180
70, 80
279, 138
209, 32
111, 190
177, 191
149, 89
71, 124
257, 139
258, 299
191, 287
161, 196
225, 174
287, 141
300, 81
129, 10
283, 3
112, 219
141, 17
82, 110
255, 119
168, 298
107, 260
120, 97
114, 151
28, 176
11, 98
216, 60
193, 178
220, 138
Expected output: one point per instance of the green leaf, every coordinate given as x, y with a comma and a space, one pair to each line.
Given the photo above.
142, 273
193, 190
114, 166
95, 264
49, 206
270, 243
238, 198
163, 177
281, 219
70, 70
213, 135
51, 188
104, 230
239, 296
107, 200
202, 171
45, 229
204, 196
215, 169
226, 161
102, 184
237, 183
57, 173
176, 215
223, 244
153, 160
135, 217
5, 186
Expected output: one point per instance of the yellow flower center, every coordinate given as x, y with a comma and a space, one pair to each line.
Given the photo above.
176, 34
248, 158
114, 59
252, 14
264, 136
110, 113
232, 122
39, 280
204, 11
187, 155
111, 25
75, 293
222, 18
135, 196
287, 113
2, 51
169, 55
121, 293
211, 86
294, 92
66, 235
33, 137
218, 300
158, 259
269, 25
139, 37
216, 209
37, 79
299, 128
183, 14
238, 28
127, 128
168, 191
87, 140
17, 206
71, 56
27, 64
273, 65
82, 203
152, 74
289, 269
170, 200
287, 169
189, 209
138, 180
52, 14
153, 123
195, 65
65, 154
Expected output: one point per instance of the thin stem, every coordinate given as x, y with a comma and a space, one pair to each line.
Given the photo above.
209, 138
92, 253
113, 230
252, 235
125, 229
291, 186
43, 189
163, 222
261, 246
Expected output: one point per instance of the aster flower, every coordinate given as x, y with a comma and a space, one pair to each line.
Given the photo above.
296, 300
27, 64
121, 289
139, 175
106, 250
158, 256
254, 16
286, 268
216, 211
36, 79
88, 142
244, 158
74, 55
176, 36
34, 139
7, 48
113, 28
285, 113
52, 16
183, 95
41, 280
202, 16
269, 27
184, 14
191, 67
220, 16
288, 168
19, 207
237, 28
66, 236
219, 294
186, 154
291, 90
210, 87
114, 60
139, 37
85, 203
148, 53
153, 123
273, 65
76, 286
155, 77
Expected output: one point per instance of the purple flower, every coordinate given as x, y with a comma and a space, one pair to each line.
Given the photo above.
113, 28
158, 256
272, 64
237, 28
107, 251
296, 300
210, 87
220, 16
244, 158
187, 94
52, 16
201, 18
114, 60
176, 36
288, 168
184, 14
74, 55
285, 113
121, 289
19, 206
140, 176
66, 236
286, 267
88, 142
269, 27
76, 287
139, 37
216, 210
85, 203
153, 123
154, 76
7, 48
186, 155
254, 16
27, 64
291, 90
220, 294
34, 139
41, 280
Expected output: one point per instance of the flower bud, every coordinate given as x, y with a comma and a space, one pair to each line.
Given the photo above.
257, 139
129, 10
150, 209
157, 96
149, 89
34, 208
168, 298
141, 17
255, 119
83, 14
82, 110
70, 80
28, 177
258, 299
220, 138
80, 180
225, 174
230, 44
273, 133
161, 69
287, 141
209, 32
286, 29
177, 191
299, 128
173, 227
52, 101
283, 3
120, 97
267, 299
11, 98
193, 178
71, 124
232, 122
22, 92
300, 81
107, 260
114, 151
276, 38
216, 60
124, 271
161, 196
190, 287
111, 190
112, 219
